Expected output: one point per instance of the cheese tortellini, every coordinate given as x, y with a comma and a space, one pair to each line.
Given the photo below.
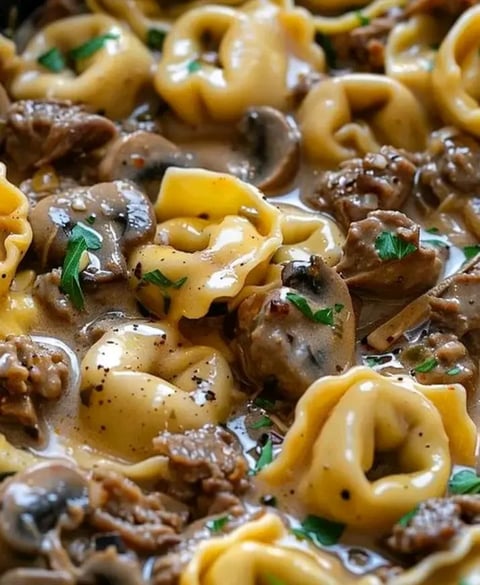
255, 554
456, 74
346, 426
111, 79
140, 379
217, 61
329, 117
218, 234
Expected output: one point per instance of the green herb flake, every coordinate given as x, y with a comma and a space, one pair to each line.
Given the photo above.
264, 403
92, 46
373, 360
92, 238
218, 524
453, 371
194, 66
90, 219
70, 281
261, 423
330, 55
266, 456
427, 366
273, 580
389, 246
159, 279
52, 60
433, 230
319, 530
471, 251
156, 38
405, 519
324, 316
362, 18
464, 482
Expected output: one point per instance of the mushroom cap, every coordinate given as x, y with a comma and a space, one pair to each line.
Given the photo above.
120, 214
272, 144
279, 345
110, 567
143, 157
46, 497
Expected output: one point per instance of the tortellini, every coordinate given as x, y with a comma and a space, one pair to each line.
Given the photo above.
329, 116
255, 554
219, 234
111, 79
411, 52
140, 379
15, 231
456, 74
344, 428
218, 61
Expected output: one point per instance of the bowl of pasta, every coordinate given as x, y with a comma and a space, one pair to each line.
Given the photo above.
239, 292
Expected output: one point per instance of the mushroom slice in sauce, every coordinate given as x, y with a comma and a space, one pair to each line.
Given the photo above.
272, 145
120, 214
46, 497
283, 345
143, 157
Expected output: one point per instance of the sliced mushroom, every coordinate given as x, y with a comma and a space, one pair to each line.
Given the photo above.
289, 348
143, 157
118, 212
110, 567
271, 142
46, 497
36, 576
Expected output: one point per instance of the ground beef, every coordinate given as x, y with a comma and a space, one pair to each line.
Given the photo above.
452, 167
146, 522
363, 268
39, 132
381, 180
29, 372
363, 48
457, 308
434, 524
46, 290
447, 7
454, 364
207, 468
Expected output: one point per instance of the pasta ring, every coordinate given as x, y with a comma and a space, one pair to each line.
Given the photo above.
342, 422
456, 103
109, 80
140, 379
327, 116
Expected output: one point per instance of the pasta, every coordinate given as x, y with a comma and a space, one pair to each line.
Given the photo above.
122, 67
191, 388
328, 118
251, 64
358, 415
454, 76
231, 247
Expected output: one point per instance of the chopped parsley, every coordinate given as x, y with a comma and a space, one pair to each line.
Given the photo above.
362, 18
52, 60
261, 423
159, 279
324, 316
471, 251
433, 230
264, 403
464, 482
453, 371
90, 219
218, 524
319, 530
82, 239
375, 360
91, 47
194, 66
266, 456
156, 38
389, 246
405, 519
427, 366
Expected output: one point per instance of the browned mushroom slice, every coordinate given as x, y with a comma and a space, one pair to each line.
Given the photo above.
271, 142
143, 157
295, 334
118, 213
110, 567
43, 498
